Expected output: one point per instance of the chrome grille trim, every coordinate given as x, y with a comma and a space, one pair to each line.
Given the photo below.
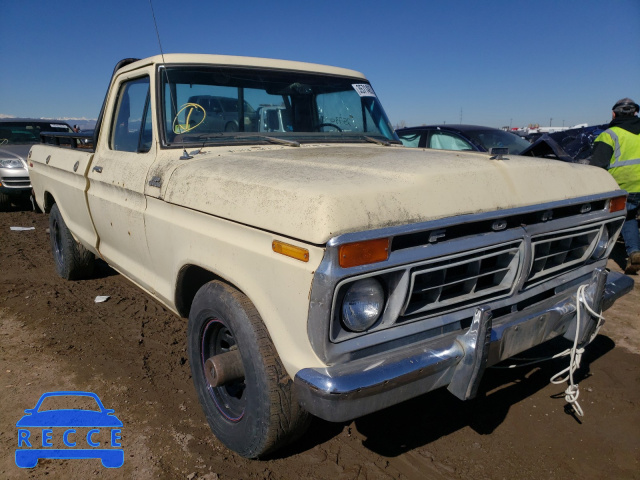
16, 182
478, 275
555, 252
465, 235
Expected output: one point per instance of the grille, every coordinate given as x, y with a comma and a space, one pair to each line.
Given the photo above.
560, 251
16, 182
471, 277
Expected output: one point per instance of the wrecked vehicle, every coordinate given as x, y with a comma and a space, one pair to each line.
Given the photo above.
573, 145
325, 269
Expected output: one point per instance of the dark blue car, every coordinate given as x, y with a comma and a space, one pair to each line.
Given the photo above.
471, 138
68, 444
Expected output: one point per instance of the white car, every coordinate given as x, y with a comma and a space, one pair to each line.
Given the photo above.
17, 135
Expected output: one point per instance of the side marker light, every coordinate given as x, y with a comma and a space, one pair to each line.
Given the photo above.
292, 251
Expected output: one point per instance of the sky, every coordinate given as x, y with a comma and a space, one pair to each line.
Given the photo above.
494, 62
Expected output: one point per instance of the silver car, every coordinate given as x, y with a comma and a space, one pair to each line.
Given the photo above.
16, 137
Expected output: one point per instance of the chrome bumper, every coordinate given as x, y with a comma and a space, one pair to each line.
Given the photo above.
346, 391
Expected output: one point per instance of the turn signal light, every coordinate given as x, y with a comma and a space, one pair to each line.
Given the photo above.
618, 203
292, 251
364, 253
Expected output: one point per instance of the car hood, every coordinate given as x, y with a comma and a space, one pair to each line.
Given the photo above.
316, 192
15, 151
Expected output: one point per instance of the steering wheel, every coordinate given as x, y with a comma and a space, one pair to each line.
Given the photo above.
320, 125
190, 108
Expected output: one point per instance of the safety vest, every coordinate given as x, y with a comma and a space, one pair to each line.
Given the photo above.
625, 162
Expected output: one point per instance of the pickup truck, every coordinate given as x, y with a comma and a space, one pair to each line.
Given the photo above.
325, 269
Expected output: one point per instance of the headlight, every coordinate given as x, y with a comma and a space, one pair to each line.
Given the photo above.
362, 305
10, 163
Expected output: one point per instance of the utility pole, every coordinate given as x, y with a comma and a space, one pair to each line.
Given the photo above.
550, 121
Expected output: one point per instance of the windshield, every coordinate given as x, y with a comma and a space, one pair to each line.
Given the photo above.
225, 105
499, 138
21, 133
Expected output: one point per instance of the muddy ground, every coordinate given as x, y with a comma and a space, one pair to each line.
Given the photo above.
131, 352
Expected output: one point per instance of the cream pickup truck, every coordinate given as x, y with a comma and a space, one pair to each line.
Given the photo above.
325, 269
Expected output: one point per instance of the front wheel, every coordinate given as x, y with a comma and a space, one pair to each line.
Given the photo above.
5, 202
256, 414
72, 260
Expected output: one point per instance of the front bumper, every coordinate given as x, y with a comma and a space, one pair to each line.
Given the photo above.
15, 181
346, 391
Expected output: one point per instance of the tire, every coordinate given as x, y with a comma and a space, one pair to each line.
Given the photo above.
231, 127
256, 415
5, 202
72, 260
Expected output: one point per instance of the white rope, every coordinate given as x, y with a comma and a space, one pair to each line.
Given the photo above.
572, 392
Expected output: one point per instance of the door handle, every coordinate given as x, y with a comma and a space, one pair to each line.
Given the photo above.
97, 169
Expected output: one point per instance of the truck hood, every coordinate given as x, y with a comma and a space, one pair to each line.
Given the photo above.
316, 192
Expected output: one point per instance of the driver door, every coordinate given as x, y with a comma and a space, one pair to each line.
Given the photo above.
118, 176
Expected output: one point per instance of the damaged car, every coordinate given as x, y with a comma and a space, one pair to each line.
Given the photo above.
573, 145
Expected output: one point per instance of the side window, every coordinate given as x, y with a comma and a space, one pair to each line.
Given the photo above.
132, 127
410, 139
448, 141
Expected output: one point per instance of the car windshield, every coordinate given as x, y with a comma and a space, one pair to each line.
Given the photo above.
21, 133
498, 138
224, 105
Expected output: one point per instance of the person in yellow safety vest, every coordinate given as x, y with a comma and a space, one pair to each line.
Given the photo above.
618, 150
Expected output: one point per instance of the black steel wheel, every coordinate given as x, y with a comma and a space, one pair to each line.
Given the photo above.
259, 413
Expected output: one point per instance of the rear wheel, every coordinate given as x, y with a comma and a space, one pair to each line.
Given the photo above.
72, 260
259, 413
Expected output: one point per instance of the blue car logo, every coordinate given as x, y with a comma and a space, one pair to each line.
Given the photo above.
69, 433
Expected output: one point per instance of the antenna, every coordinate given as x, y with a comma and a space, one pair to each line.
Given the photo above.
157, 32
185, 155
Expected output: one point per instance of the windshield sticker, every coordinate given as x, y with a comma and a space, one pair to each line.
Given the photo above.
364, 89
54, 125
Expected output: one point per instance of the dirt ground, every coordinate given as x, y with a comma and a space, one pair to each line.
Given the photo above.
131, 352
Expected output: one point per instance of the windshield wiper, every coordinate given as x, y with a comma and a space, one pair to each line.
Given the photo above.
378, 141
279, 141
